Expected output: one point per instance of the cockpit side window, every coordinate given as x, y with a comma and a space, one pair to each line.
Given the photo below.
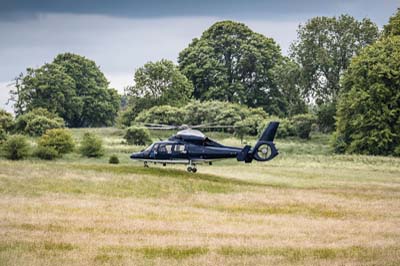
180, 148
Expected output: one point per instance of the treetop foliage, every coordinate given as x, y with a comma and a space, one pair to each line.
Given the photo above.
230, 62
324, 48
73, 87
157, 83
393, 27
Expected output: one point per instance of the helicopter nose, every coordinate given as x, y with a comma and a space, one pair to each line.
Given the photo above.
137, 155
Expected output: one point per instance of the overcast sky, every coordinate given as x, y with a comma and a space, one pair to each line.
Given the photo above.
123, 35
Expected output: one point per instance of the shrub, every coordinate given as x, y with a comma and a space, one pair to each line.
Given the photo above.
164, 114
46, 152
16, 147
286, 128
37, 121
91, 145
326, 117
40, 124
303, 125
6, 121
196, 113
113, 159
3, 135
59, 139
137, 135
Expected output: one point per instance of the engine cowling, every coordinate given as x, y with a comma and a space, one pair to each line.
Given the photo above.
264, 151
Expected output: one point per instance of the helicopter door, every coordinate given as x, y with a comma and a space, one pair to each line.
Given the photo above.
164, 151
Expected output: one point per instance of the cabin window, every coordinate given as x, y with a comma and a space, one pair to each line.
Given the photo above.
180, 148
165, 148
155, 147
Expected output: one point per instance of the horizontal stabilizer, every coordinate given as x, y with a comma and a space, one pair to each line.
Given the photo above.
244, 155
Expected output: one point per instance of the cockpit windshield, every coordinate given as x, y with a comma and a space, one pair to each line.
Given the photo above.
149, 148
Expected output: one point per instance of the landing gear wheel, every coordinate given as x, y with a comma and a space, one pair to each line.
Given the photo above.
146, 165
192, 169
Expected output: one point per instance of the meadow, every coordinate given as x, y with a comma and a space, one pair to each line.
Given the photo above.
306, 207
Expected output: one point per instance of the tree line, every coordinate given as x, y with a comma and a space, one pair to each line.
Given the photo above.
342, 70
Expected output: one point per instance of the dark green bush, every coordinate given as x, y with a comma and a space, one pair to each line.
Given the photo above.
59, 139
326, 117
16, 147
46, 152
137, 135
91, 145
113, 159
303, 125
37, 121
3, 135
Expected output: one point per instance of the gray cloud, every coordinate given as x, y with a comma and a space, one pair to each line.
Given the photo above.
237, 9
120, 43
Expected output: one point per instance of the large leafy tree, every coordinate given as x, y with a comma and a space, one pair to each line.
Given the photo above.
368, 116
51, 88
156, 83
324, 48
230, 62
71, 86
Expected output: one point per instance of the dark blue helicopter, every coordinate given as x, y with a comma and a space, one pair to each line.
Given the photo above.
191, 147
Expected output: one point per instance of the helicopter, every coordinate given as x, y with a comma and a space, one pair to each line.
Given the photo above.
191, 147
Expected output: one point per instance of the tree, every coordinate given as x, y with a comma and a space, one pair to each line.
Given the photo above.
230, 62
393, 27
51, 88
287, 75
158, 83
73, 87
324, 48
368, 116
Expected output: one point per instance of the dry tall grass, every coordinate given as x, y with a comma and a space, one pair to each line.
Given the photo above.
312, 210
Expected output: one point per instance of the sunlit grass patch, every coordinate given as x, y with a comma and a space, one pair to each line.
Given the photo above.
292, 254
168, 252
310, 210
24, 246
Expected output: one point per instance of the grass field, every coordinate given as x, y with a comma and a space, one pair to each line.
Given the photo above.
306, 207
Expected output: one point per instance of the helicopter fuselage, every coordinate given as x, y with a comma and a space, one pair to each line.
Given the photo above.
192, 147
